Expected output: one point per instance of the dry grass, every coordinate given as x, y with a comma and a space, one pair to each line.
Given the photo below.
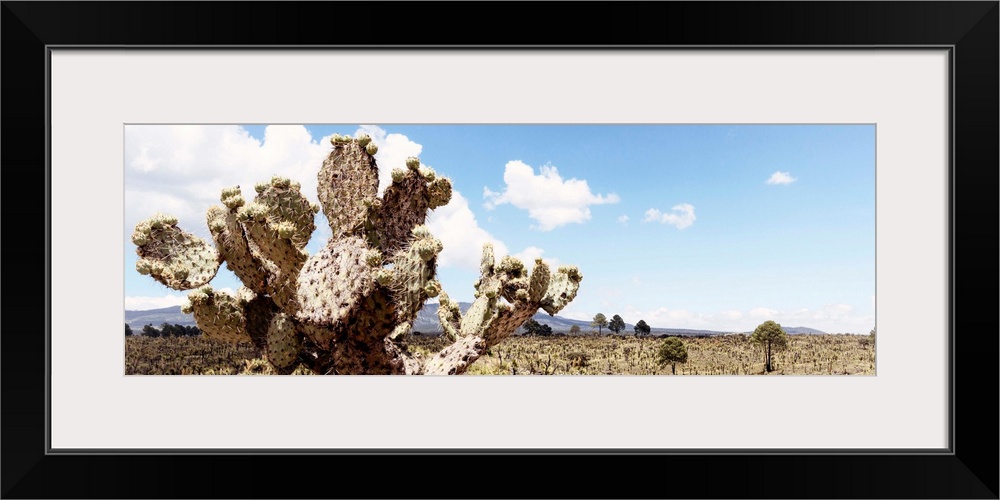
721, 355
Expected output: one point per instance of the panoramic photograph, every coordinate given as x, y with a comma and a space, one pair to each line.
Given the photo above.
409, 249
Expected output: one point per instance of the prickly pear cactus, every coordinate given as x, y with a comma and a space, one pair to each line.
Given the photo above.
346, 309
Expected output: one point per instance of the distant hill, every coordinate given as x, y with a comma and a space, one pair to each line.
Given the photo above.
156, 317
801, 330
427, 322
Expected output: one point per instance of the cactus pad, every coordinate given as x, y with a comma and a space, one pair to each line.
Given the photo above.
171, 256
348, 177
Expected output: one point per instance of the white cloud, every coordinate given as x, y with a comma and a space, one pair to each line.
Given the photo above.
780, 178
455, 225
682, 216
181, 169
146, 303
763, 313
731, 315
623, 219
549, 200
663, 317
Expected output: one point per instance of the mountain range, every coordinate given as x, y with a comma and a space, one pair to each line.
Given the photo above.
427, 322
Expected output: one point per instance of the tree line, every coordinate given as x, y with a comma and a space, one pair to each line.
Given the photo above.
165, 330
617, 325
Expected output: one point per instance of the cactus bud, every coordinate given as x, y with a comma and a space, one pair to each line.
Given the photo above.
421, 231
187, 308
280, 182
371, 149
285, 229
398, 175
143, 266
427, 248
413, 163
439, 192
141, 236
253, 211
373, 258
260, 187
572, 272
432, 288
427, 173
383, 277
364, 140
234, 202
156, 267
230, 191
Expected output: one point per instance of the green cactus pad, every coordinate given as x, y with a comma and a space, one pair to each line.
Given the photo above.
562, 289
539, 281
172, 256
332, 284
283, 342
234, 248
349, 175
413, 271
404, 207
219, 315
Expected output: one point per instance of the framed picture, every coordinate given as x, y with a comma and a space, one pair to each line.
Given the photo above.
920, 77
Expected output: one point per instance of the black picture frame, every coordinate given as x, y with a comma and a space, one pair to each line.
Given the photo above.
968, 470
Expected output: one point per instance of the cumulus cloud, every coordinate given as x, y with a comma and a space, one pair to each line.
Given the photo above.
623, 219
682, 216
456, 226
763, 313
731, 315
780, 178
549, 199
663, 317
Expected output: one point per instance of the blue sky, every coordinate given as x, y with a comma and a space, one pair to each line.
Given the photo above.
717, 227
